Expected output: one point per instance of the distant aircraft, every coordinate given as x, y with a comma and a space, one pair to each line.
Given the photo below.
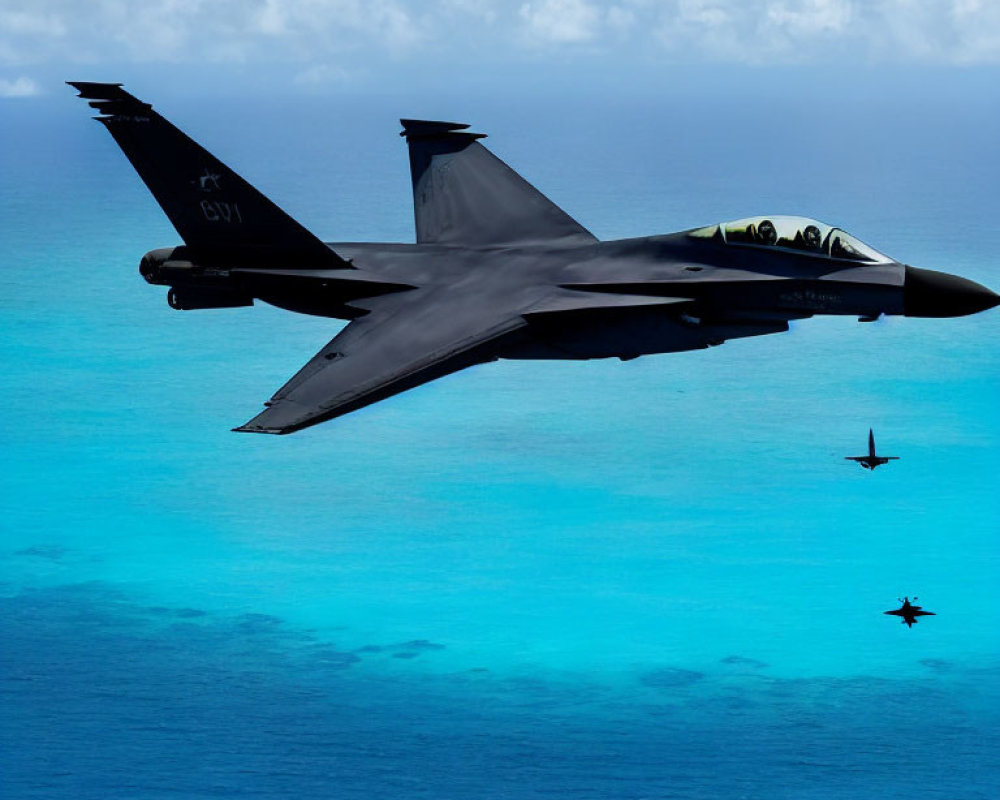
497, 271
909, 612
871, 460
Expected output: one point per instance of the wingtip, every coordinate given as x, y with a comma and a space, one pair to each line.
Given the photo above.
435, 129
248, 428
110, 100
95, 90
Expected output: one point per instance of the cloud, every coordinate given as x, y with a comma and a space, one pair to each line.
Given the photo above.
831, 31
483, 10
220, 31
560, 21
362, 35
954, 31
323, 75
20, 87
36, 22
621, 19
755, 31
810, 16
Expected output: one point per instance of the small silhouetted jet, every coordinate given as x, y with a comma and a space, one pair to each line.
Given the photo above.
498, 271
909, 612
871, 460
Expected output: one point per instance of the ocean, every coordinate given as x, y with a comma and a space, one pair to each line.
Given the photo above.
652, 579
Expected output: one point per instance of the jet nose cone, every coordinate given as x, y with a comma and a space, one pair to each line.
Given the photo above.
927, 293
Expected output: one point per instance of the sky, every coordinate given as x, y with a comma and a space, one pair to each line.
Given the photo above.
336, 45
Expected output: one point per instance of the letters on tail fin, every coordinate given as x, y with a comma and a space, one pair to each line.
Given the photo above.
465, 195
221, 217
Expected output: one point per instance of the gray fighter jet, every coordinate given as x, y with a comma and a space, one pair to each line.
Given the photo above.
871, 460
497, 271
909, 612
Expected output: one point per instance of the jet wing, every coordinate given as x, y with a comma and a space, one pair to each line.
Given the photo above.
411, 338
405, 340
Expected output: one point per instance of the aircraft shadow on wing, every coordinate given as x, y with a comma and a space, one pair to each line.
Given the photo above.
497, 271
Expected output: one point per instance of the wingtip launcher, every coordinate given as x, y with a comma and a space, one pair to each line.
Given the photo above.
414, 129
110, 99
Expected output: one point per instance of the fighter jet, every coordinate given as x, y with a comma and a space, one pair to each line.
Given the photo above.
871, 460
497, 271
909, 612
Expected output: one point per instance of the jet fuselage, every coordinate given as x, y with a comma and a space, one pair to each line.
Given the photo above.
728, 292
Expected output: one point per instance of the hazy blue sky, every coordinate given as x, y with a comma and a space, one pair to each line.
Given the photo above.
333, 45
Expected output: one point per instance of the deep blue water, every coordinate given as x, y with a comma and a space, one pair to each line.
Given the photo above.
646, 579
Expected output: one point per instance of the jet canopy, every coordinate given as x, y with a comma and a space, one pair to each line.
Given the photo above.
793, 233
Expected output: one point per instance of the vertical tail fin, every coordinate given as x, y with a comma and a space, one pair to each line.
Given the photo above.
223, 219
463, 194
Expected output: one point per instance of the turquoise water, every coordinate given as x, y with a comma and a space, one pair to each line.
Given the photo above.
647, 579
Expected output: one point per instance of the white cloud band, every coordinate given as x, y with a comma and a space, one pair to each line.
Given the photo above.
320, 31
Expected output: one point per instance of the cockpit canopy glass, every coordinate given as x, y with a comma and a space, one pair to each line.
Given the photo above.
794, 233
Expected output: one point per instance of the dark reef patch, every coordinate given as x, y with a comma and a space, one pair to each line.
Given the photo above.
744, 661
421, 645
670, 678
176, 613
51, 552
258, 623
244, 705
405, 650
938, 665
